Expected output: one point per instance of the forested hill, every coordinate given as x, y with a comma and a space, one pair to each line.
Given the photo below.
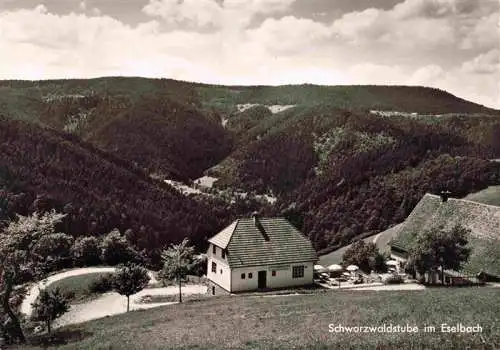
342, 174
42, 169
173, 129
344, 161
165, 138
26, 99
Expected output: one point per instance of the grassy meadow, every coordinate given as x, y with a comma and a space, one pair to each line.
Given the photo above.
300, 321
490, 195
78, 286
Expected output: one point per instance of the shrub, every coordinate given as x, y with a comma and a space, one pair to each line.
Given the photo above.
364, 255
25, 274
117, 250
56, 245
103, 284
49, 306
86, 251
393, 279
130, 279
55, 251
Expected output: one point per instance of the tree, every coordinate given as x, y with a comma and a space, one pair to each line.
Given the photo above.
17, 241
56, 248
54, 245
178, 259
86, 251
364, 255
116, 249
377, 262
440, 249
49, 306
199, 265
130, 279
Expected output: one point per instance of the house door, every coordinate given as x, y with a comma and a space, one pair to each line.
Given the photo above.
262, 279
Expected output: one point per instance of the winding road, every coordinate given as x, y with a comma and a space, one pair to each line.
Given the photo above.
108, 303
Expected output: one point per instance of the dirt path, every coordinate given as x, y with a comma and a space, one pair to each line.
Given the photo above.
106, 305
403, 286
112, 304
33, 292
374, 286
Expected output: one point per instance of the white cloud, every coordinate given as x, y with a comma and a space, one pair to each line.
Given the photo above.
83, 6
41, 9
228, 13
427, 75
404, 45
289, 35
483, 33
200, 12
486, 63
463, 81
435, 24
369, 73
433, 8
358, 27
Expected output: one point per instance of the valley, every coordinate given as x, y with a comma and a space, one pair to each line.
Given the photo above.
136, 165
331, 159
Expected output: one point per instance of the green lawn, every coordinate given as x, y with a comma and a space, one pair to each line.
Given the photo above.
78, 286
490, 196
383, 245
287, 322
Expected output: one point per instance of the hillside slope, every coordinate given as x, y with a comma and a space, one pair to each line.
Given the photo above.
153, 123
338, 170
490, 195
300, 322
483, 221
342, 174
362, 97
44, 169
174, 128
165, 138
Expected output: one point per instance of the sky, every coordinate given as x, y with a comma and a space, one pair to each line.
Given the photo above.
453, 45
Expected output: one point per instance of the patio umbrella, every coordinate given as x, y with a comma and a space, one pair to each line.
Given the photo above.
334, 268
319, 268
352, 268
391, 263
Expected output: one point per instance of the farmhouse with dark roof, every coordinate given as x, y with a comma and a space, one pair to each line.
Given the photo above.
259, 253
483, 221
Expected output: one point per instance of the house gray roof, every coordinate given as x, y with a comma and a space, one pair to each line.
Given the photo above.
222, 238
483, 221
273, 241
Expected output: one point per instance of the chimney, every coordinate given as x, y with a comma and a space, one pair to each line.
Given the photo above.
255, 217
445, 195
259, 226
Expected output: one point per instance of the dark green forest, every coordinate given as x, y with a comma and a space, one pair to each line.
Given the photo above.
98, 149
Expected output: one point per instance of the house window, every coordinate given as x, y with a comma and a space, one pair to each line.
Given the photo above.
242, 276
223, 254
297, 271
214, 267
250, 275
214, 250
221, 271
273, 273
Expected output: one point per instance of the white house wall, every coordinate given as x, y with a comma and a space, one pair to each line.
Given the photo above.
222, 275
282, 279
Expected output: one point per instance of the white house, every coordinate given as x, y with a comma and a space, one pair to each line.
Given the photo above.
259, 253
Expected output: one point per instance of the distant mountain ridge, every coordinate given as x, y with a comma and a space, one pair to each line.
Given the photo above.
42, 169
339, 171
483, 220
